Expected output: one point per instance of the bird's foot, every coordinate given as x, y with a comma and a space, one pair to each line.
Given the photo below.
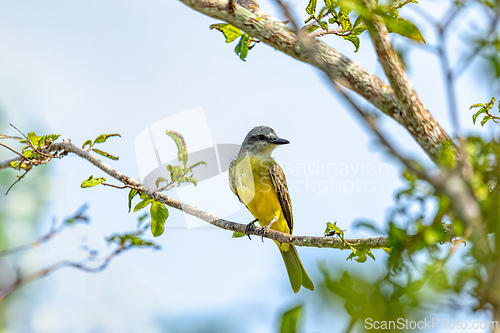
266, 228
250, 227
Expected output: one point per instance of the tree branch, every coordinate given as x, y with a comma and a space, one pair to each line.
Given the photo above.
22, 280
78, 217
417, 120
66, 146
420, 123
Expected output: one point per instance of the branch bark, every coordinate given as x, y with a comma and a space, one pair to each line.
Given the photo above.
311, 241
419, 122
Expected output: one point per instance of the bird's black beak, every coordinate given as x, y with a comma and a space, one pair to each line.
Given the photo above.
279, 141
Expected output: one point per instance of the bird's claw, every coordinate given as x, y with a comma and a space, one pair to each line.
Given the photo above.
264, 229
250, 227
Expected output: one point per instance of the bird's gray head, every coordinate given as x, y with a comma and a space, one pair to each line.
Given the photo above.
261, 140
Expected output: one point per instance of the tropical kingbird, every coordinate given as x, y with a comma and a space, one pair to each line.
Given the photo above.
260, 184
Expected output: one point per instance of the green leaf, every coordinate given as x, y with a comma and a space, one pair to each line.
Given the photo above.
359, 29
403, 27
345, 21
131, 240
103, 137
133, 192
145, 201
182, 152
188, 180
242, 48
309, 19
490, 104
474, 116
103, 153
485, 119
290, 320
321, 13
91, 181
332, 230
87, 143
313, 28
238, 234
311, 7
230, 32
34, 139
360, 255
159, 214
477, 105
176, 172
15, 164
359, 19
28, 153
160, 180
324, 25
354, 40
197, 164
45, 138
330, 4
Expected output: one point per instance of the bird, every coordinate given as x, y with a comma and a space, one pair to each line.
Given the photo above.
260, 184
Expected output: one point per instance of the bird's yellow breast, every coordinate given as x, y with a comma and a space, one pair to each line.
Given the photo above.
257, 191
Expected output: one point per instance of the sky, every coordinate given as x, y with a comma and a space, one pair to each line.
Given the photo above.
83, 68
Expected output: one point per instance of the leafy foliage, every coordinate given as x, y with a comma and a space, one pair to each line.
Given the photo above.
100, 139
485, 109
91, 181
332, 230
341, 14
158, 211
179, 173
33, 153
133, 239
360, 254
231, 33
424, 231
238, 234
291, 319
34, 144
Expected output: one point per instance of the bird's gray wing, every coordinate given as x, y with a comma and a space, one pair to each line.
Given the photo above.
232, 179
279, 181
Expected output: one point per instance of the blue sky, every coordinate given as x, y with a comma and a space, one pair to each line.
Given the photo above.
83, 68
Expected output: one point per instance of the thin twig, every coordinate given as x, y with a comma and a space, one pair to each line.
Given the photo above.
17, 181
462, 64
115, 186
34, 244
78, 216
288, 15
31, 143
321, 33
2, 136
1, 144
22, 280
